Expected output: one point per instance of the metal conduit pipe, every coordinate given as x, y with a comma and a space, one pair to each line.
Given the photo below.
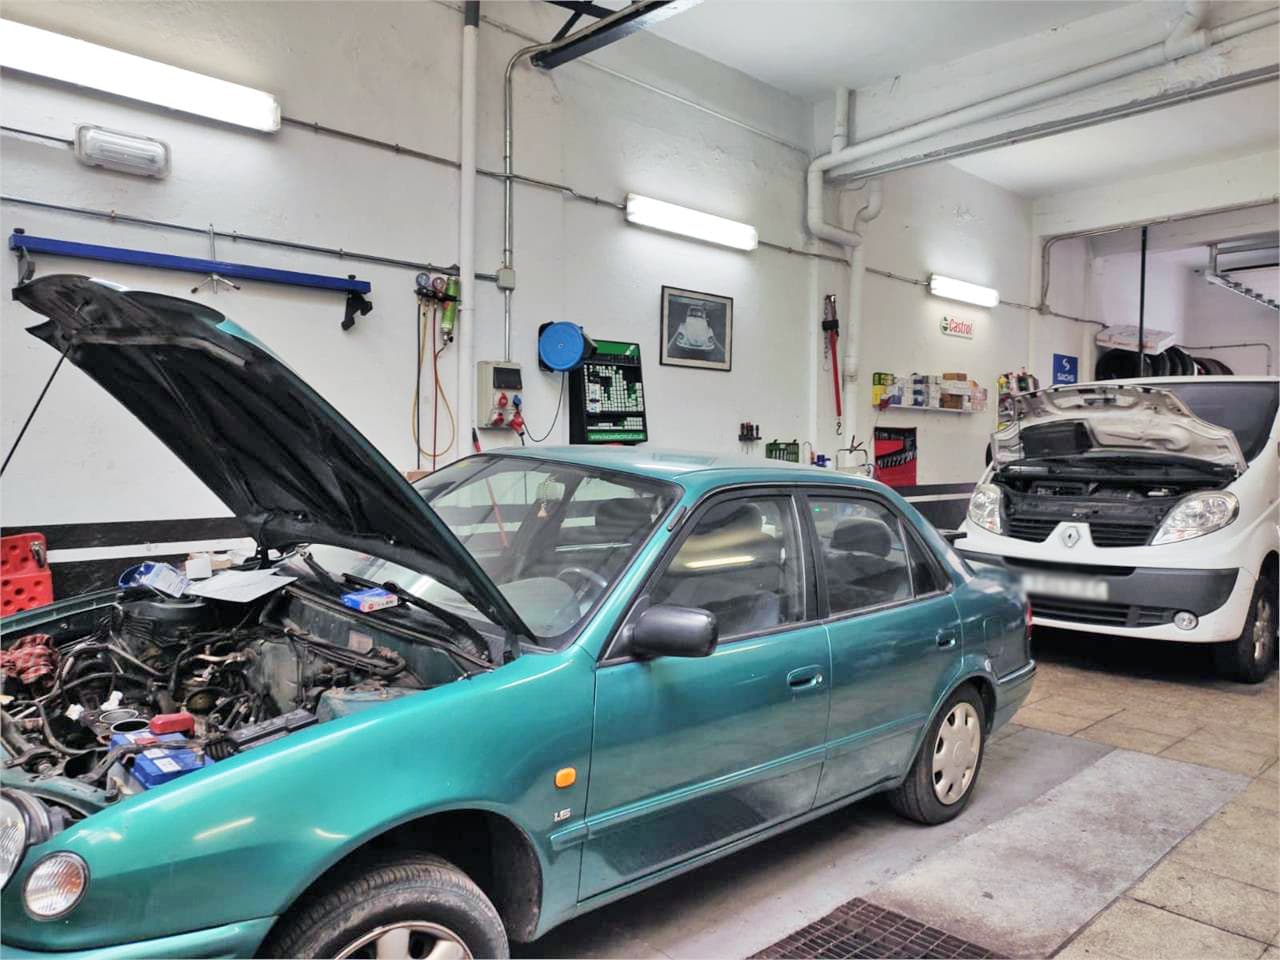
1180, 43
506, 276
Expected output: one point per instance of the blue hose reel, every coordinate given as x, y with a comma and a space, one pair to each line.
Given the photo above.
563, 346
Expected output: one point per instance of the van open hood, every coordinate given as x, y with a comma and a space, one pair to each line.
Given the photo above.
279, 456
1101, 418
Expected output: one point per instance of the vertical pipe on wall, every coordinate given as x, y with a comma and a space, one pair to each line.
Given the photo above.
1142, 305
840, 130
467, 223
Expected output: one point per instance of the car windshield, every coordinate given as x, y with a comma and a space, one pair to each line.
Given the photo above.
1248, 408
553, 536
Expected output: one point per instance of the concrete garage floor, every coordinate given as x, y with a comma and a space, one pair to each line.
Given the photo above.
1130, 811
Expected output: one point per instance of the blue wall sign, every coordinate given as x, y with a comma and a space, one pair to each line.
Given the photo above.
1066, 368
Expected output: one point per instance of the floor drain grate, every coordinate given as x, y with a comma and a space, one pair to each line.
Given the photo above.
861, 929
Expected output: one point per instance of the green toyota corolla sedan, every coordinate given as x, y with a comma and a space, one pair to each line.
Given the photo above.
426, 720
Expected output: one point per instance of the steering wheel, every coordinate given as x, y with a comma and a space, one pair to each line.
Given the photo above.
588, 576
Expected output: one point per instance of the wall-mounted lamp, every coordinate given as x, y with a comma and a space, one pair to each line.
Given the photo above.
672, 218
69, 60
125, 152
952, 289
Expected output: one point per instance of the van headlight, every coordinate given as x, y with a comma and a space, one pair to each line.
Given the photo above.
1196, 515
984, 507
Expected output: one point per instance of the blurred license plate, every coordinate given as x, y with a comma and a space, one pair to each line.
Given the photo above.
1056, 585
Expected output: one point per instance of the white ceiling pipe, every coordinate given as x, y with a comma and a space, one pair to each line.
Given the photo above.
467, 233
840, 131
1180, 43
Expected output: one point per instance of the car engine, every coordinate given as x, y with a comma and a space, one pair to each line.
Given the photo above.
126, 697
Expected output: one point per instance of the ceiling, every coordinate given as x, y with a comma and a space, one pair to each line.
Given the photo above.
809, 47
1228, 125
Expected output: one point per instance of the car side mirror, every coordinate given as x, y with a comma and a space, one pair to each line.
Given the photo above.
670, 631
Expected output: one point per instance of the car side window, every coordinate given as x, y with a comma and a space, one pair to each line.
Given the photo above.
865, 562
924, 575
742, 561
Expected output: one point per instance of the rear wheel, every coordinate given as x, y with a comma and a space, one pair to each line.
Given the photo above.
1250, 657
941, 779
413, 906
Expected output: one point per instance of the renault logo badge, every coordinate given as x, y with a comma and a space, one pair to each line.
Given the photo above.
1070, 536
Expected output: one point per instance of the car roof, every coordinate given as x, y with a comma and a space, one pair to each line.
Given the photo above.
705, 469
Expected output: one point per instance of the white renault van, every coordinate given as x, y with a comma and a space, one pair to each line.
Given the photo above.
1142, 508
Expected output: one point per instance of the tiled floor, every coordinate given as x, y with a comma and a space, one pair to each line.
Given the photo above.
1141, 787
1217, 892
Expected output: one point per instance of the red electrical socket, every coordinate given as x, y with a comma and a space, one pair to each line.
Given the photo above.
517, 422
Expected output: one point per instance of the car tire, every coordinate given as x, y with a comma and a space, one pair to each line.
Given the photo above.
942, 778
1250, 657
419, 899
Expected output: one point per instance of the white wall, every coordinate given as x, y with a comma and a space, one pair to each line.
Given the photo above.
938, 219
721, 142
390, 70
1218, 316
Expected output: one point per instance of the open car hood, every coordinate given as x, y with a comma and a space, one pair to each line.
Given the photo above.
285, 461
1100, 418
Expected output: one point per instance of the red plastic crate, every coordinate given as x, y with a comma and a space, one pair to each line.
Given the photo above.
25, 579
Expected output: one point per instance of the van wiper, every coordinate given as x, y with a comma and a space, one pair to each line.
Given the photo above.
447, 617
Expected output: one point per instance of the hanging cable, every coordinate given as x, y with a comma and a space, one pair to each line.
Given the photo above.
426, 315
36, 406
554, 420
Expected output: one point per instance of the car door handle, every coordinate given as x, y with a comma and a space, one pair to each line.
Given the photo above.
805, 678
946, 638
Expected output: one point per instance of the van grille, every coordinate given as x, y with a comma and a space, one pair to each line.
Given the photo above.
1099, 614
1105, 533
1030, 528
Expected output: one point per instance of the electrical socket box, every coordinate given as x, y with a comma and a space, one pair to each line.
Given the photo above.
499, 396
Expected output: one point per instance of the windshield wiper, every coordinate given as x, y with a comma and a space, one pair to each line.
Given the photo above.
447, 617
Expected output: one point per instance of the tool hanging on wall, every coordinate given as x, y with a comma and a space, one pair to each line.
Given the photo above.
831, 328
437, 309
214, 279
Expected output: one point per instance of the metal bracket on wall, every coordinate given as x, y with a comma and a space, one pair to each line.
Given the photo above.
25, 245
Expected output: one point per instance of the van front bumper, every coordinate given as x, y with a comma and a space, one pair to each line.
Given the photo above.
230, 940
1141, 601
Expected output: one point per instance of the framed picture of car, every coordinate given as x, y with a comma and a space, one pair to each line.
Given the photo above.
697, 329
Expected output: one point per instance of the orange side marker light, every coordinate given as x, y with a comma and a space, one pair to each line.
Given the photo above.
566, 777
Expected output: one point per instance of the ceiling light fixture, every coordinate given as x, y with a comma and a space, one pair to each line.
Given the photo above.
84, 64
672, 218
952, 289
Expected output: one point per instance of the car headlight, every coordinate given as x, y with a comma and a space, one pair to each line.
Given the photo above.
55, 885
13, 839
984, 507
1196, 515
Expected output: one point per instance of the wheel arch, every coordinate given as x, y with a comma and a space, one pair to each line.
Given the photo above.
489, 847
1270, 568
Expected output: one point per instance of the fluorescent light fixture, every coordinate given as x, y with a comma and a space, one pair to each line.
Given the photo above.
124, 152
57, 57
952, 289
671, 218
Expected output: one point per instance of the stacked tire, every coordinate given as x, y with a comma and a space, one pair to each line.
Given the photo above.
1120, 364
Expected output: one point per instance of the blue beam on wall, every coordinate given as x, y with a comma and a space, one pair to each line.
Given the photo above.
164, 261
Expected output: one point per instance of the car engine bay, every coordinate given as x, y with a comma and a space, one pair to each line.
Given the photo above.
121, 698
1123, 501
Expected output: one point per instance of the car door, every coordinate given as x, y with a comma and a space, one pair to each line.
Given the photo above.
691, 754
894, 632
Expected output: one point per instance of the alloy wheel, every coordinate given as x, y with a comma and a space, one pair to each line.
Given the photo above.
402, 941
956, 753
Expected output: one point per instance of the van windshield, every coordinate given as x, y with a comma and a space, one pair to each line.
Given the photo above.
1248, 408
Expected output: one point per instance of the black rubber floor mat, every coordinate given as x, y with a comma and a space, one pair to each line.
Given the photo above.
861, 929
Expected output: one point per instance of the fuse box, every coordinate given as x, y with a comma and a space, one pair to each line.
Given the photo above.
499, 396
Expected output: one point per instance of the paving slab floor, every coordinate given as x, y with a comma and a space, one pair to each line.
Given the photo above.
1129, 811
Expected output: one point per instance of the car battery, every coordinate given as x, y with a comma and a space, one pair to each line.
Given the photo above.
159, 764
